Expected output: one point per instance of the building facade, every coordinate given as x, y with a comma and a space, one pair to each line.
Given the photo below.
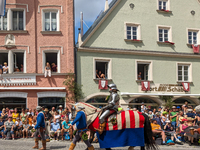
33, 33
148, 48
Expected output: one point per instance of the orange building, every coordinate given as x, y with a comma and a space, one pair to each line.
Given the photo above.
32, 33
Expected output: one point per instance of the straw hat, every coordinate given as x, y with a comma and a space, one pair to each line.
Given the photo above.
46, 109
174, 107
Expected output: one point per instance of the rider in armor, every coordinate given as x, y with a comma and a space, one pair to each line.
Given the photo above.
111, 108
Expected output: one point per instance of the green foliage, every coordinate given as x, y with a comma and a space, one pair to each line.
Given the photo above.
168, 101
73, 87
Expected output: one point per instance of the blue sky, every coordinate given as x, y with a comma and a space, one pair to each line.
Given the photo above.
90, 9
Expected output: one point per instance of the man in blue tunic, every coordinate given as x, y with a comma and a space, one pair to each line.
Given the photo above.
39, 127
81, 126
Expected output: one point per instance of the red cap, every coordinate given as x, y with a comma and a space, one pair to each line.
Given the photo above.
184, 120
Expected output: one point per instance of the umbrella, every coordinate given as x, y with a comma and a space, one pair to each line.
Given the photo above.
187, 131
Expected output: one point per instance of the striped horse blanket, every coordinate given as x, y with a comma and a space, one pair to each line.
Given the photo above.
127, 131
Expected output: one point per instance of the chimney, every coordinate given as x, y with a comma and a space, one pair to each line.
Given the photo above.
106, 6
81, 15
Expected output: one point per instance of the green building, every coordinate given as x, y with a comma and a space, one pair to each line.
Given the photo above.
148, 48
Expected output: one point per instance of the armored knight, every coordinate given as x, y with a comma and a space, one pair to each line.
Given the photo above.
111, 108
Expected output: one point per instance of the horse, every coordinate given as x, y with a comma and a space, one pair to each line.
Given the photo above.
143, 135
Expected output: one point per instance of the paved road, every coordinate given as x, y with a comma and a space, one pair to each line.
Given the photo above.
26, 144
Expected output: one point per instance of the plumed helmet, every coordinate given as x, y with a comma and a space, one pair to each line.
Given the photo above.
113, 87
197, 109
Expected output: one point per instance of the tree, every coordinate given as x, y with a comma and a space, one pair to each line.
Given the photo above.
168, 101
74, 89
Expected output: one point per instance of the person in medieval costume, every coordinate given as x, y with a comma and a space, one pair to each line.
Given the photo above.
39, 127
80, 132
111, 108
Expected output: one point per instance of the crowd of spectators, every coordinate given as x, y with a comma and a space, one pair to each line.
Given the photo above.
167, 124
20, 125
170, 124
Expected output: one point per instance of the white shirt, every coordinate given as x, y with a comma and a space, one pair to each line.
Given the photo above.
4, 67
16, 123
56, 117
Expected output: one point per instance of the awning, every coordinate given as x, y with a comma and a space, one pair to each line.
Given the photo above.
157, 94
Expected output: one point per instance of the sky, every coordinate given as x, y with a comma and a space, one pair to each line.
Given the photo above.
91, 9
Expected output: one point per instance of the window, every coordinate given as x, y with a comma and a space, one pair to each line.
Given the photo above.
50, 102
51, 21
102, 68
163, 35
183, 72
18, 62
163, 4
53, 58
3, 59
132, 31
192, 37
18, 20
3, 22
143, 70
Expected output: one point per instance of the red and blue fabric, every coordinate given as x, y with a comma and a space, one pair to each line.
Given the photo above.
128, 131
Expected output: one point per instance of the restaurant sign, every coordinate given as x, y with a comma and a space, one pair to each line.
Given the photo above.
165, 88
15, 80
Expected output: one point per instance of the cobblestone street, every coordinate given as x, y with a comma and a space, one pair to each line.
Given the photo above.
26, 144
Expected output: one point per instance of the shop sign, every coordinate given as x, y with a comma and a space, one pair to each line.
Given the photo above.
166, 88
15, 80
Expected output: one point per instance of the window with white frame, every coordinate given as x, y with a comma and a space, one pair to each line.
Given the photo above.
163, 4
18, 58
18, 19
53, 58
163, 34
184, 72
3, 22
132, 31
144, 70
51, 20
102, 68
192, 37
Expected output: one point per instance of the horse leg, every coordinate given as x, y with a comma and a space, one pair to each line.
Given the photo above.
142, 148
131, 148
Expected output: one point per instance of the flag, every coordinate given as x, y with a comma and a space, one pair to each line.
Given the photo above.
145, 85
127, 131
186, 86
103, 84
2, 7
195, 48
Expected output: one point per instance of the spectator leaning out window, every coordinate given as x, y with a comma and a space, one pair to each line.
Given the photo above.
5, 68
47, 70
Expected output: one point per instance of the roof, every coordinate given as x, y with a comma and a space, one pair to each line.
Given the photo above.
98, 20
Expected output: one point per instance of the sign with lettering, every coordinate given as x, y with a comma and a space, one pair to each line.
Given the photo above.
16, 80
165, 88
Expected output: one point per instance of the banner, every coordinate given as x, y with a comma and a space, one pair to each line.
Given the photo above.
2, 7
103, 84
195, 49
186, 86
145, 85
